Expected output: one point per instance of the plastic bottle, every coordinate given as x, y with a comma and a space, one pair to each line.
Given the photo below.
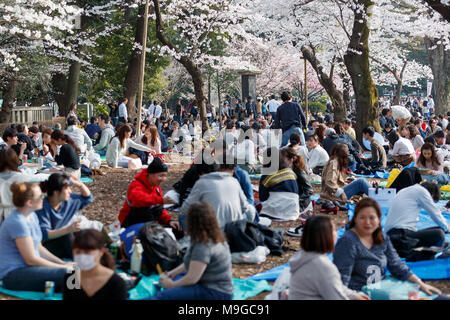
136, 257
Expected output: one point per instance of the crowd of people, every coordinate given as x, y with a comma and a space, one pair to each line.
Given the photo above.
41, 231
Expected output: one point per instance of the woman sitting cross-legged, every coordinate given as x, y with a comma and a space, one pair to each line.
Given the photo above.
25, 265
58, 211
334, 188
364, 251
313, 275
431, 166
207, 262
118, 147
97, 279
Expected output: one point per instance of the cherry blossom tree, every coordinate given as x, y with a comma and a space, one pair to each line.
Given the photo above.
194, 32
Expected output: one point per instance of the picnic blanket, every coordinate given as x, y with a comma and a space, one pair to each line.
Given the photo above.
243, 289
426, 270
86, 180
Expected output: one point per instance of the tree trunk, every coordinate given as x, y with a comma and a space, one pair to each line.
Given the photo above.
71, 92
327, 82
398, 92
9, 95
440, 65
346, 92
357, 62
59, 84
132, 78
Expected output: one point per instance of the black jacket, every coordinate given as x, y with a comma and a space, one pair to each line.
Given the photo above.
305, 189
68, 157
406, 178
245, 236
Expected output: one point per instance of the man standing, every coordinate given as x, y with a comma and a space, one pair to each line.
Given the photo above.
290, 118
151, 110
250, 106
272, 106
158, 112
179, 111
123, 112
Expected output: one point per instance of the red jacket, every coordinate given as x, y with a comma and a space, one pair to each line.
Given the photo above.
141, 194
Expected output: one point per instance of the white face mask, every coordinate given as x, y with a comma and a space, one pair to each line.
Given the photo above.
85, 261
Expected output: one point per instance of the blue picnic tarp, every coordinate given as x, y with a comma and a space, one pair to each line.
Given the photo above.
427, 270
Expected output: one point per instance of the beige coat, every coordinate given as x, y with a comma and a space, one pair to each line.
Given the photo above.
332, 179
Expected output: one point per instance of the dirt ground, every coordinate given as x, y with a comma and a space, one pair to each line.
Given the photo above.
109, 192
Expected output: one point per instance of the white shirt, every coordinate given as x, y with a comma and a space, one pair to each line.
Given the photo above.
406, 206
430, 103
318, 157
402, 147
158, 111
444, 124
150, 111
123, 112
245, 151
272, 105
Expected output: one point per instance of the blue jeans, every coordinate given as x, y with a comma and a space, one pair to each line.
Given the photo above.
357, 186
195, 292
182, 221
34, 278
115, 120
287, 134
441, 179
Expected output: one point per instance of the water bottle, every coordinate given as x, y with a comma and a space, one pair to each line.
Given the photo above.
136, 257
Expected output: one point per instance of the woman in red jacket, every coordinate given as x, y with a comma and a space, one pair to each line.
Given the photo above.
144, 201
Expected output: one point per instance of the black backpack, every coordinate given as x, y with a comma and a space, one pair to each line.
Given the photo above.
159, 248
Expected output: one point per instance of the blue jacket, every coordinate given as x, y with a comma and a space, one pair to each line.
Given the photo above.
246, 185
163, 140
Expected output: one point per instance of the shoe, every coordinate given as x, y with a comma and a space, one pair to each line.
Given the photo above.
295, 232
340, 206
329, 207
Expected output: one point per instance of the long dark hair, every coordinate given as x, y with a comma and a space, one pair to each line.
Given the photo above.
377, 235
9, 160
58, 134
91, 239
340, 153
121, 134
320, 132
434, 157
154, 133
202, 224
298, 163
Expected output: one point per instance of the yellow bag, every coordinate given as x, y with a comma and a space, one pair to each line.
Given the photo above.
445, 188
392, 176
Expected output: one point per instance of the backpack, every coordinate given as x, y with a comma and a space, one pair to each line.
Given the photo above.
159, 248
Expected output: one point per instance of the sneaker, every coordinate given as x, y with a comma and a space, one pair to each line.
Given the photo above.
295, 232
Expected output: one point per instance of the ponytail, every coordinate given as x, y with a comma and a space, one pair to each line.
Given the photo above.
22, 192
70, 141
59, 135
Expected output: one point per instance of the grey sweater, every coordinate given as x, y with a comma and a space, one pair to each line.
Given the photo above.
315, 277
225, 194
360, 266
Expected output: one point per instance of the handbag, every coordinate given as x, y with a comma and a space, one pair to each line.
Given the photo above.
384, 197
